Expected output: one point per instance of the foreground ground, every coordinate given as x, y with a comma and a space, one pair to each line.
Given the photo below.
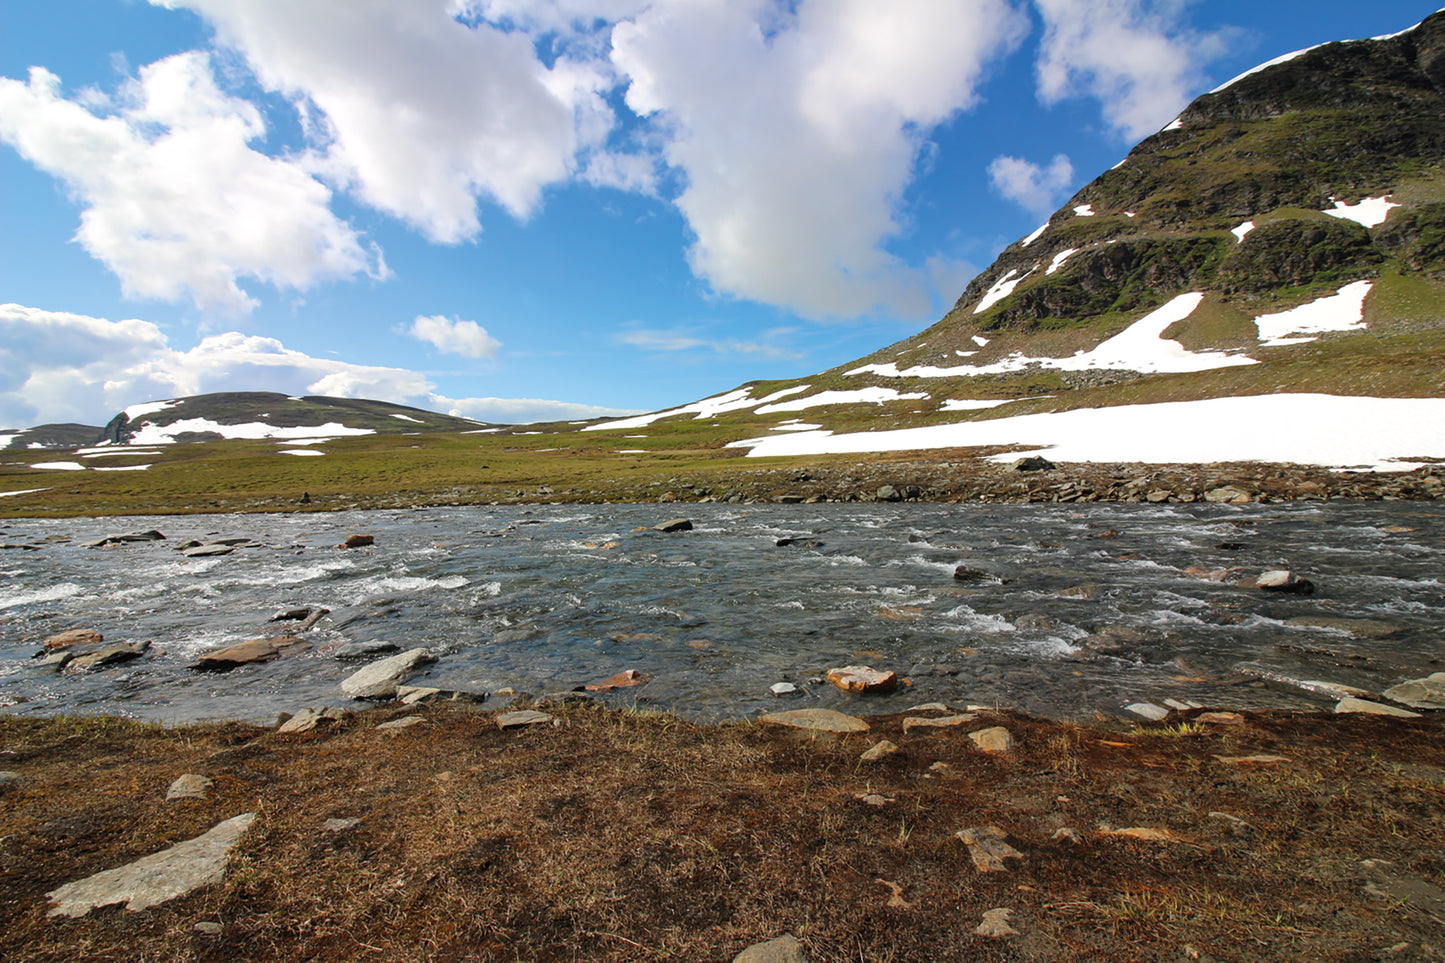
616, 835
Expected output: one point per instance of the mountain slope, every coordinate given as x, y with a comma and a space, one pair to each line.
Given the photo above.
1285, 237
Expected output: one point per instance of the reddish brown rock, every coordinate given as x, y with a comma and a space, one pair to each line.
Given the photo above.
357, 541
65, 640
622, 680
862, 678
243, 653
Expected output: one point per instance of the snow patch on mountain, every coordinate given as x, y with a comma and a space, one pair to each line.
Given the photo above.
1326, 430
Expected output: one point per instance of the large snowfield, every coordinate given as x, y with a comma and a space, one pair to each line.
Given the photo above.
1381, 434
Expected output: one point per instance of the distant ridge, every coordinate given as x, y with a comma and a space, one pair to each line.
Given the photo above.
241, 414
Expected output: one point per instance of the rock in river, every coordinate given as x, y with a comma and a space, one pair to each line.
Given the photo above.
1426, 693
242, 653
380, 679
862, 678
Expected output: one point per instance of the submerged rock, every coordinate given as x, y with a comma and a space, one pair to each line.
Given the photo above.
110, 655
65, 640
244, 653
358, 541
674, 525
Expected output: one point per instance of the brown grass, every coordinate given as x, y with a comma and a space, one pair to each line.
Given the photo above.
627, 836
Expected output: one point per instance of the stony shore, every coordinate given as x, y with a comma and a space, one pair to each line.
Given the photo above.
929, 477
455, 832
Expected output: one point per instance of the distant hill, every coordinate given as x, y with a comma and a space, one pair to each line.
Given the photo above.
1273, 257
241, 414
51, 436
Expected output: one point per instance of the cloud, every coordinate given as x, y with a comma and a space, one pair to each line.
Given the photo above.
175, 201
59, 367
1038, 189
453, 336
797, 132
422, 113
523, 410
1131, 55
675, 340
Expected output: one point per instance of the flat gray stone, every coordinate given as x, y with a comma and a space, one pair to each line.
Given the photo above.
674, 525
936, 722
107, 656
1426, 693
310, 718
366, 650
522, 718
827, 720
1147, 710
988, 849
406, 722
1366, 707
154, 879
189, 786
380, 679
413, 694
784, 949
339, 825
8, 781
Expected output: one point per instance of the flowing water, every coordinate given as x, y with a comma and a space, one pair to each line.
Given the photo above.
544, 599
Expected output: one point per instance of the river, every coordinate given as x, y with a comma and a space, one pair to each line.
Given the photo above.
1087, 608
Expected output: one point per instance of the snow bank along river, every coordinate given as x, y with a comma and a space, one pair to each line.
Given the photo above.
1090, 608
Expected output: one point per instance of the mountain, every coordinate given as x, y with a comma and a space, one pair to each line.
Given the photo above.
1261, 280
241, 414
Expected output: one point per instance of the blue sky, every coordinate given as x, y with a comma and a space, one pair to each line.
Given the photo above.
521, 210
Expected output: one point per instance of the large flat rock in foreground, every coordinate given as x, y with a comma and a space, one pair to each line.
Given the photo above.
156, 878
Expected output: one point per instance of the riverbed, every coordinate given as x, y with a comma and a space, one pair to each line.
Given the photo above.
1070, 611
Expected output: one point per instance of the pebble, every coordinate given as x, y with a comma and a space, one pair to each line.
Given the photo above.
993, 740
784, 949
189, 786
995, 924
8, 781
405, 722
987, 848
880, 751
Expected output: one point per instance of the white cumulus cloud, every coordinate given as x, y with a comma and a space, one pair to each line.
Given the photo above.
1133, 56
797, 129
175, 200
454, 336
1036, 188
422, 113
